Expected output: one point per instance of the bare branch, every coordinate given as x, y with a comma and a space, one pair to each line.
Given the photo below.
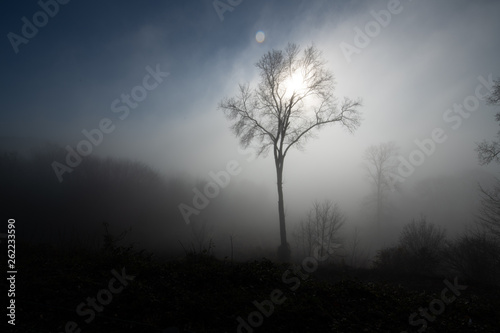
489, 213
494, 98
269, 116
488, 152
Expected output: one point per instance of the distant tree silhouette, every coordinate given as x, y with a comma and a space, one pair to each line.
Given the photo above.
488, 216
380, 162
489, 213
320, 228
489, 151
293, 98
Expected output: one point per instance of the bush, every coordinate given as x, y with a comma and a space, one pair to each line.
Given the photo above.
475, 257
393, 260
424, 244
419, 250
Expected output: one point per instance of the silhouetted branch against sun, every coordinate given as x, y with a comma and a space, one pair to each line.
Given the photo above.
294, 96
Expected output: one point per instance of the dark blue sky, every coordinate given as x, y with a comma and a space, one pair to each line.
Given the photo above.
90, 51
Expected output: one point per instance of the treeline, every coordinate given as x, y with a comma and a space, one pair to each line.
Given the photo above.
125, 194
423, 250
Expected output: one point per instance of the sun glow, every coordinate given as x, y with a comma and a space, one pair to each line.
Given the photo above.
295, 84
298, 86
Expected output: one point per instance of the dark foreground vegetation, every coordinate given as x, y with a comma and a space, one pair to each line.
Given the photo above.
198, 293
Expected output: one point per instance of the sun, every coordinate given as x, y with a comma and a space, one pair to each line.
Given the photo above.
295, 84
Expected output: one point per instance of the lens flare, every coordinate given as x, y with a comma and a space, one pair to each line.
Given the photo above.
260, 36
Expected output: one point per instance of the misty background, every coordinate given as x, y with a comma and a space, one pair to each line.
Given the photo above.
66, 78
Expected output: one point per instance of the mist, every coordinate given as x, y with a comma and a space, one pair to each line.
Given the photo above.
123, 132
410, 75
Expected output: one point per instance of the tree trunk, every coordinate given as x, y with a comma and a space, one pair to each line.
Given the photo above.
379, 207
284, 248
379, 198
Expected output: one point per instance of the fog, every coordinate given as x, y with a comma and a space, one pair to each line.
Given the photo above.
410, 75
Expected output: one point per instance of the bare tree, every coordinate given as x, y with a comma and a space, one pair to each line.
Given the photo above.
489, 213
294, 97
380, 161
488, 216
357, 256
320, 228
489, 151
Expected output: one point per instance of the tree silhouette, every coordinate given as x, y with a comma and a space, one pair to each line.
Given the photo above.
294, 97
489, 214
380, 162
321, 227
490, 151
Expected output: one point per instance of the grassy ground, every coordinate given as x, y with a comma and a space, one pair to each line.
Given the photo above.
201, 294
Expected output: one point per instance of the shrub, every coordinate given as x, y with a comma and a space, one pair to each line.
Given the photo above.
423, 242
418, 252
392, 260
475, 257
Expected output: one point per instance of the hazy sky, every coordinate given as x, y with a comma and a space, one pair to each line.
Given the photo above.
409, 69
